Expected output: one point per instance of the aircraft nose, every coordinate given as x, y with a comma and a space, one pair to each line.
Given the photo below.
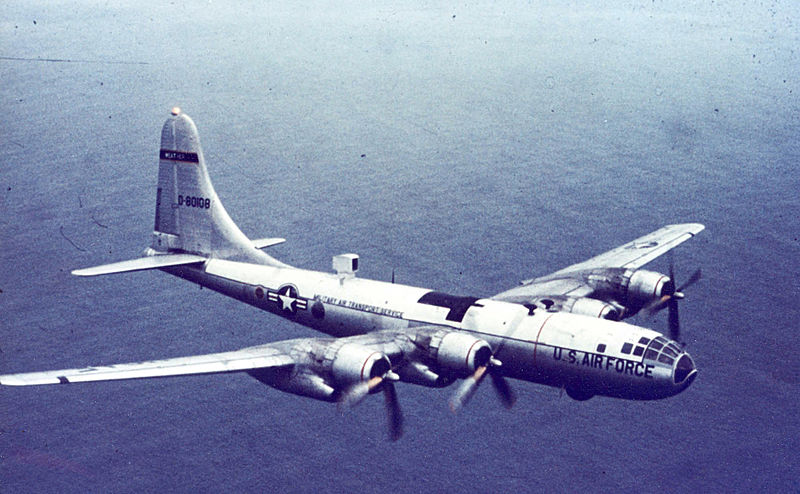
685, 370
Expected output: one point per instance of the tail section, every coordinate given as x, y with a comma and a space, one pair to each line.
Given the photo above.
189, 216
191, 225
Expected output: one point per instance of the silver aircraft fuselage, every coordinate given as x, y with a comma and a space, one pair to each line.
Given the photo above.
581, 354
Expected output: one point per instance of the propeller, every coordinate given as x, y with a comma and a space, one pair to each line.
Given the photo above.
671, 301
393, 413
356, 394
470, 385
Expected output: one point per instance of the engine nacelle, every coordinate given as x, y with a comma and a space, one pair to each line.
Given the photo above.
354, 363
632, 288
451, 354
299, 382
595, 308
579, 305
422, 375
644, 286
325, 368
461, 354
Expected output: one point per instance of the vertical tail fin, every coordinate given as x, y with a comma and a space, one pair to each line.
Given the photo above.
189, 216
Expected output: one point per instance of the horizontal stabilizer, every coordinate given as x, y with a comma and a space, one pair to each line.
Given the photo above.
263, 243
151, 262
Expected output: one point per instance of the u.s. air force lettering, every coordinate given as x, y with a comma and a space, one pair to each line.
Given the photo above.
604, 362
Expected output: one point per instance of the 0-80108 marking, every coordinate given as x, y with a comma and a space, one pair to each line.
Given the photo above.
194, 202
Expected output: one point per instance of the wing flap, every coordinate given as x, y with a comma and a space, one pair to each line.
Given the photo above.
142, 263
259, 357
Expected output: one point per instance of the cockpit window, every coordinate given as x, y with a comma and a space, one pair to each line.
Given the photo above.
644, 341
660, 349
601, 348
674, 346
665, 359
638, 350
626, 348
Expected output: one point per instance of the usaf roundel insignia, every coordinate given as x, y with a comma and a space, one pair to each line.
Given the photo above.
288, 299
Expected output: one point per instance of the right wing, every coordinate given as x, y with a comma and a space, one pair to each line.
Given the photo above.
632, 255
257, 357
639, 252
600, 286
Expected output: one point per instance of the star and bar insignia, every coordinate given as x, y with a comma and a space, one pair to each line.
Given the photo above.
287, 298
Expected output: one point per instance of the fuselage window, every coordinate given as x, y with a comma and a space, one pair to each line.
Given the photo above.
601, 348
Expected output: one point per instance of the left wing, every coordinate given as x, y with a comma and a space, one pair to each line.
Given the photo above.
328, 369
257, 357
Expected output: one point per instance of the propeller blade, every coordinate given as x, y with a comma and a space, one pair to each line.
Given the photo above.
393, 412
692, 280
656, 306
357, 393
504, 391
674, 321
672, 266
467, 389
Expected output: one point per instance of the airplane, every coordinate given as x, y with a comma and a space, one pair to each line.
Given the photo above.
562, 330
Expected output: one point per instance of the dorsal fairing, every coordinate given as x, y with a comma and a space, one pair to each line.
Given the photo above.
189, 215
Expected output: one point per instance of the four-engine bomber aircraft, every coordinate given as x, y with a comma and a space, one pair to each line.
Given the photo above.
560, 330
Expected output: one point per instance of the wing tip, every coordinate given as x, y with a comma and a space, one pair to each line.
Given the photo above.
693, 228
17, 380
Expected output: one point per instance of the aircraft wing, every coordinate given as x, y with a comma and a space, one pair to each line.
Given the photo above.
571, 281
639, 252
258, 357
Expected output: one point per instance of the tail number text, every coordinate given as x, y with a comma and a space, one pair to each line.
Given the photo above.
194, 202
